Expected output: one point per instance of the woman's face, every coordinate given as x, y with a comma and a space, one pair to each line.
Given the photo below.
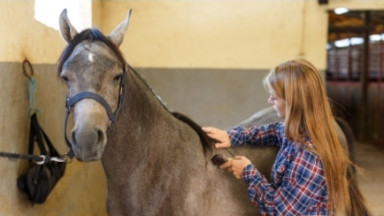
277, 103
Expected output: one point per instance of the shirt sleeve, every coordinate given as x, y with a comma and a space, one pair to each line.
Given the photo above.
302, 190
269, 134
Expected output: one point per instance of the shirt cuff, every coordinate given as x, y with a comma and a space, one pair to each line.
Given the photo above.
250, 174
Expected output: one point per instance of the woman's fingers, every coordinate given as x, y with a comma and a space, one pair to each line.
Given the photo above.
238, 164
220, 136
221, 145
212, 132
226, 165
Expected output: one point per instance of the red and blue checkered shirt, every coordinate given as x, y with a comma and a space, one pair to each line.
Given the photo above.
297, 185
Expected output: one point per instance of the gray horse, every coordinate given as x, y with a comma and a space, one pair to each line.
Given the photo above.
156, 162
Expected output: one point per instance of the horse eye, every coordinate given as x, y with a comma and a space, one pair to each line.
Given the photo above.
64, 78
118, 77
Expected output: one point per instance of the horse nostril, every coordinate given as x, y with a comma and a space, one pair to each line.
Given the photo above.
73, 136
100, 136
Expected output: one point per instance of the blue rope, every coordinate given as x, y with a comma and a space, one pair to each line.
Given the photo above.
32, 108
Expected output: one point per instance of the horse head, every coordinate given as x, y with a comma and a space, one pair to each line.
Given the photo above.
94, 70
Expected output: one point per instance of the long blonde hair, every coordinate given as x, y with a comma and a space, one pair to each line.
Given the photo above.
307, 108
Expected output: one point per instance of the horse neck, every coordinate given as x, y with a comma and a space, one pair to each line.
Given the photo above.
144, 129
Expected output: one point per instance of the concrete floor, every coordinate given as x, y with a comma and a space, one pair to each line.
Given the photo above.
371, 182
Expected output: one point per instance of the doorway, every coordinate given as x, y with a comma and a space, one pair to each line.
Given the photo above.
355, 70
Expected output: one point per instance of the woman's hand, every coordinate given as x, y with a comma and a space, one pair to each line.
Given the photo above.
236, 165
220, 136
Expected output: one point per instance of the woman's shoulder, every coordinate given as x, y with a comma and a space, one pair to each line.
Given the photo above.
295, 147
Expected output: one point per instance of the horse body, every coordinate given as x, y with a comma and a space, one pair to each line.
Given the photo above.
162, 168
144, 178
156, 162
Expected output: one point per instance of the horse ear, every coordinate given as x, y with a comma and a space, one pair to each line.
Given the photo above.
117, 35
67, 31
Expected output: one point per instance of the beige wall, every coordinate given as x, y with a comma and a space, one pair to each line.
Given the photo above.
230, 39
23, 37
219, 34
204, 58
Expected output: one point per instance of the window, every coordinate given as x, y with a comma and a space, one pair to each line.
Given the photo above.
345, 48
79, 11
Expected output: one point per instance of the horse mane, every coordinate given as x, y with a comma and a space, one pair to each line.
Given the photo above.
206, 141
92, 34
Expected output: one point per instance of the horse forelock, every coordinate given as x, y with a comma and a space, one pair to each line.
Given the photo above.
92, 34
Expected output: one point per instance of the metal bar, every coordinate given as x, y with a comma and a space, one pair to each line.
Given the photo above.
379, 126
352, 29
349, 58
364, 80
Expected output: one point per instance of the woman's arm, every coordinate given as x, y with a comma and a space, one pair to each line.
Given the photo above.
301, 191
269, 134
265, 135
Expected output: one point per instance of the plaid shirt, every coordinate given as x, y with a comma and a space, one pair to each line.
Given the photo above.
297, 185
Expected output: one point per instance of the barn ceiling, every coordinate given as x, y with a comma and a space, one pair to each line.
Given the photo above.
353, 24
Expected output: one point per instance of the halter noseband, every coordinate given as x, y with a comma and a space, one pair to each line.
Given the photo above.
90, 95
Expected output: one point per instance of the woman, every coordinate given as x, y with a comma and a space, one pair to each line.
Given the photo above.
309, 173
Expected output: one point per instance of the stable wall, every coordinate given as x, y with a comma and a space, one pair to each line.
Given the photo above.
204, 58
207, 58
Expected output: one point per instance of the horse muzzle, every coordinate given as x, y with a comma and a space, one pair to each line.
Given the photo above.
88, 136
88, 143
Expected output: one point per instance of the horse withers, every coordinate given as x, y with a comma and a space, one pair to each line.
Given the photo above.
156, 162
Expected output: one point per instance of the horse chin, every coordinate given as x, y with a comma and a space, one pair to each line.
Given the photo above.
87, 156
89, 159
